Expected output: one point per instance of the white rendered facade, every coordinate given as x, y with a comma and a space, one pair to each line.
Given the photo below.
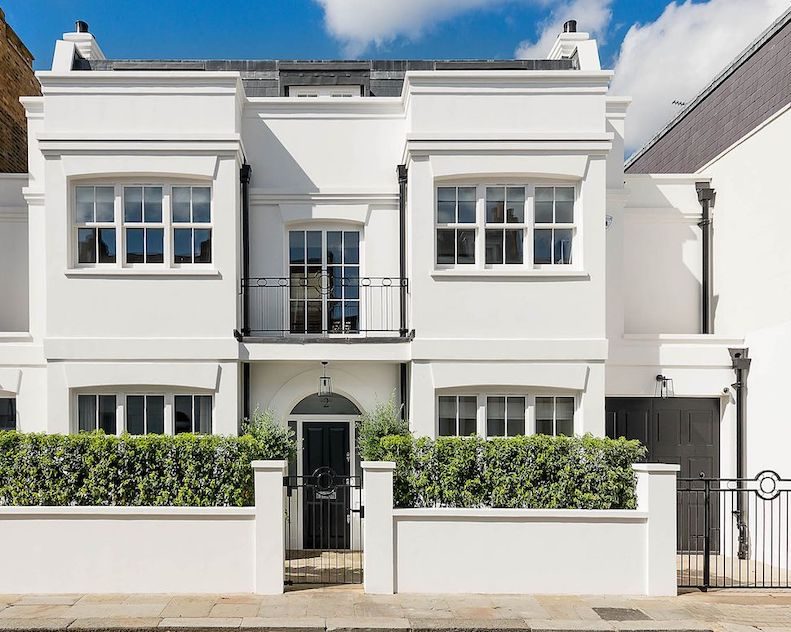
557, 335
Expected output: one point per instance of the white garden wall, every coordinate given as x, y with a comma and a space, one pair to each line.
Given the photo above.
561, 551
148, 549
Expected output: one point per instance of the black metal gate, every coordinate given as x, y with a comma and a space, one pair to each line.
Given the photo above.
734, 533
323, 528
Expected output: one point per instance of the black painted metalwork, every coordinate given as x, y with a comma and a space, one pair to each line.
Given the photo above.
324, 528
324, 304
734, 532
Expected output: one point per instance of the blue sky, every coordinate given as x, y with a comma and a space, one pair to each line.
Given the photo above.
661, 50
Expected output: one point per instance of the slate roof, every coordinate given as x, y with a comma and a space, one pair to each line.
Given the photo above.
756, 85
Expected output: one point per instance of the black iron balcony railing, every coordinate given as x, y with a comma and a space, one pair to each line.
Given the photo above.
326, 304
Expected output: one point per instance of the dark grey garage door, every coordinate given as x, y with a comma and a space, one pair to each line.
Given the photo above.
682, 430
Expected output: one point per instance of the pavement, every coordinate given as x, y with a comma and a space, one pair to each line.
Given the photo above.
348, 609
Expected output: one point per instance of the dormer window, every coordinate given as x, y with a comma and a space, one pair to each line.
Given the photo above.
325, 91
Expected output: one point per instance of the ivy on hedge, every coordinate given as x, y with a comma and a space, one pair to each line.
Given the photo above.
535, 471
158, 470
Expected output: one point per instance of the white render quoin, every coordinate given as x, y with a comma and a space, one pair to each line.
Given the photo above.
192, 245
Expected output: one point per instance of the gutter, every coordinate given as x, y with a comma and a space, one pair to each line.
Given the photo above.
402, 193
244, 178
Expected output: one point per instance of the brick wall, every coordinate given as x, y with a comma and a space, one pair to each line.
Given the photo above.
16, 80
753, 91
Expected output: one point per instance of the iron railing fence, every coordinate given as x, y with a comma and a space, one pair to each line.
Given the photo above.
324, 540
326, 304
734, 533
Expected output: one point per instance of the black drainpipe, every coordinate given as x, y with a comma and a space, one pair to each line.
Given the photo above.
246, 390
404, 392
402, 181
244, 177
741, 366
706, 196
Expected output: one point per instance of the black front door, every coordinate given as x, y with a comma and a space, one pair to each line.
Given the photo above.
681, 430
325, 468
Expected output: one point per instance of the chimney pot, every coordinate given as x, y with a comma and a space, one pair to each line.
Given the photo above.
570, 26
81, 27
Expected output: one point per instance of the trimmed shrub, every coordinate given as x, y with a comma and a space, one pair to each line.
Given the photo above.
276, 438
384, 420
99, 469
535, 471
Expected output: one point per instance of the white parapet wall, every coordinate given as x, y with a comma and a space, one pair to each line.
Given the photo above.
560, 551
148, 549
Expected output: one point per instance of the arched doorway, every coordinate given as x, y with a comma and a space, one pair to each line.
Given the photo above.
323, 528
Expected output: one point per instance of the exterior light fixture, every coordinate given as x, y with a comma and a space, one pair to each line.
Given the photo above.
664, 387
608, 220
325, 382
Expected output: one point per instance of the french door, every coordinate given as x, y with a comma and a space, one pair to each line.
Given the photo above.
324, 281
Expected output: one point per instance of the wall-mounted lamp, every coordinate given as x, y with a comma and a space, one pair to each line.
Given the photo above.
664, 387
608, 220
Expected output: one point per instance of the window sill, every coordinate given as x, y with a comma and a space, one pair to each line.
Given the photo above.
510, 274
140, 272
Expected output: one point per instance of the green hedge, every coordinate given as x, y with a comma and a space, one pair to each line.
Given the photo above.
535, 471
98, 469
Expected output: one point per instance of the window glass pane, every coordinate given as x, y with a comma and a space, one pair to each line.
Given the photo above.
545, 194
297, 317
352, 316
516, 416
446, 205
564, 194
203, 245
203, 414
515, 208
565, 427
7, 413
314, 323
513, 246
86, 245
84, 205
107, 416
153, 204
562, 245
468, 413
542, 245
544, 426
495, 416
447, 416
446, 246
107, 245
495, 204
466, 205
135, 415
564, 212
182, 245
545, 408
134, 245
351, 282
182, 413
201, 204
465, 246
86, 413
351, 247
544, 205
133, 204
155, 414
296, 246
105, 204
154, 245
334, 247
564, 408
494, 246
181, 204
313, 238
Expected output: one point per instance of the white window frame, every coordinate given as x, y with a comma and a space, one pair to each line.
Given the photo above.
324, 228
554, 395
481, 403
95, 225
555, 226
120, 406
528, 227
120, 225
192, 225
337, 91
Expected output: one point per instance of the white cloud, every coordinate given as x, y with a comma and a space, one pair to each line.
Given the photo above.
360, 23
593, 16
676, 56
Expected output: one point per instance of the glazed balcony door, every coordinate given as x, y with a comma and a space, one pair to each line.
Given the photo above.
324, 281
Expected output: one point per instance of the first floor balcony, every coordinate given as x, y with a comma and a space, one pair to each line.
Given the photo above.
329, 305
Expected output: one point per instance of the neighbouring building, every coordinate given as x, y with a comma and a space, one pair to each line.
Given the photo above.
208, 237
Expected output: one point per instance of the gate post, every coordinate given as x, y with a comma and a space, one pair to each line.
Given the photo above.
270, 526
378, 562
656, 495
